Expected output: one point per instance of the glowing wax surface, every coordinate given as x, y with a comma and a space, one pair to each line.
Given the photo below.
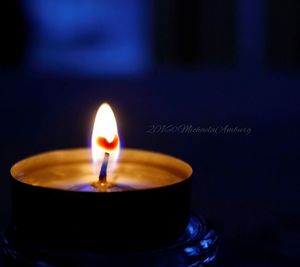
71, 169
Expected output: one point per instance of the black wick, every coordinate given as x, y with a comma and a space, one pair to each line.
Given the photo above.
103, 170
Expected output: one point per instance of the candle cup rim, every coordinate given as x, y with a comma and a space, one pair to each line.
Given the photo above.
188, 169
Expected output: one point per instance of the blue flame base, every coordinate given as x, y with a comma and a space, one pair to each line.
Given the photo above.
197, 247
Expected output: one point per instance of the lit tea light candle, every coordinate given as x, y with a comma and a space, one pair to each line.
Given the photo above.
61, 198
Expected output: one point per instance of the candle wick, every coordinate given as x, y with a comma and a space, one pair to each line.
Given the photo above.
103, 170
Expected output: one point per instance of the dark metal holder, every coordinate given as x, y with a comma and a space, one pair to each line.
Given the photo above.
89, 221
196, 247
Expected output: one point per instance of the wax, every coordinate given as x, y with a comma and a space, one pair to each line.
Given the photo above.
72, 170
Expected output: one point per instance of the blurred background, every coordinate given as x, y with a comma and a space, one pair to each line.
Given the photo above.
205, 63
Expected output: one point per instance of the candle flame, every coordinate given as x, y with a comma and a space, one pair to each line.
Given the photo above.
105, 137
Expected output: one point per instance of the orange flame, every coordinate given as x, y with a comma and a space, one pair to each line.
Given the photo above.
105, 137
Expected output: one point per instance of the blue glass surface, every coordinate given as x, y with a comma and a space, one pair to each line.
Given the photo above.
197, 247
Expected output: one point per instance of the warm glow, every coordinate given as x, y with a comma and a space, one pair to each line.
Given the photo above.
105, 137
